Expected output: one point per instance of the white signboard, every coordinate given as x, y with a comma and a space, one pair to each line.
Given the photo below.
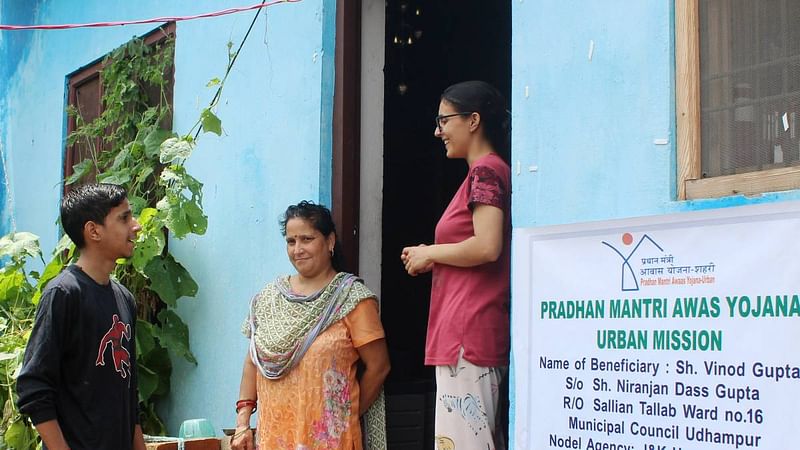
659, 333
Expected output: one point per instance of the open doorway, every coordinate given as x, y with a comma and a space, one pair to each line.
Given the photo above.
429, 45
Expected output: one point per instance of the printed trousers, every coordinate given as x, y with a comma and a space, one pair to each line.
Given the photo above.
467, 399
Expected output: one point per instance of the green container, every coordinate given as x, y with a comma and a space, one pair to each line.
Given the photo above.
196, 428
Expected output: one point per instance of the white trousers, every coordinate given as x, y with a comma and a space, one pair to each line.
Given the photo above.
467, 398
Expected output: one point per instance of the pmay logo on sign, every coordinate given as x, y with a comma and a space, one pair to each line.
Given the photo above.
655, 267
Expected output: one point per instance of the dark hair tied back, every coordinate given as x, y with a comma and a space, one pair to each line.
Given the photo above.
486, 100
321, 219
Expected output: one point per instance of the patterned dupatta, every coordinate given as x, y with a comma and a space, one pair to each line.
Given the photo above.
292, 324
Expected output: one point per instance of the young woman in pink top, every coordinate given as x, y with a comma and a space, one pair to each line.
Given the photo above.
468, 326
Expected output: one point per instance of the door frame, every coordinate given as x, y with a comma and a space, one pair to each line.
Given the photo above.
357, 176
346, 129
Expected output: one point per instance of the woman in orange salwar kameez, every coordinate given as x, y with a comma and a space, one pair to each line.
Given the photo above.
309, 332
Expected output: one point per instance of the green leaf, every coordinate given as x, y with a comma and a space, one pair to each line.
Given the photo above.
120, 177
147, 216
149, 245
149, 116
145, 341
72, 111
19, 435
211, 123
170, 280
152, 143
170, 176
164, 205
159, 361
137, 203
11, 284
181, 215
80, 170
213, 82
176, 220
37, 296
64, 244
176, 179
153, 361
196, 219
20, 245
151, 424
148, 382
122, 156
174, 334
174, 149
143, 174
53, 268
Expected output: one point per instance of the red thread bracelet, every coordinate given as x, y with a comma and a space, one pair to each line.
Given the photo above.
244, 403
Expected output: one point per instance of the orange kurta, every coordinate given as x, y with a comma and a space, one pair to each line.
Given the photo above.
315, 405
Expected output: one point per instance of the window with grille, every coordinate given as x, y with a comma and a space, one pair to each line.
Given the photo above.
744, 138
750, 85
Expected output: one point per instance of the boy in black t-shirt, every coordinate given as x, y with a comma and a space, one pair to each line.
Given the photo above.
78, 379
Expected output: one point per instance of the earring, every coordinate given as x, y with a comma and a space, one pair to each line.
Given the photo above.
331, 253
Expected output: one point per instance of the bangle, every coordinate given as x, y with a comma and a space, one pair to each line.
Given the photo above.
240, 433
245, 403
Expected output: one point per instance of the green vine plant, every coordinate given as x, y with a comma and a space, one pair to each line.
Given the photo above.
19, 293
130, 144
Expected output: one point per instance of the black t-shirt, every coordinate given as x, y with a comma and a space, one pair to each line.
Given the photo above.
80, 362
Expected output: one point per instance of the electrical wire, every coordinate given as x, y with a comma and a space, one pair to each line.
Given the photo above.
136, 22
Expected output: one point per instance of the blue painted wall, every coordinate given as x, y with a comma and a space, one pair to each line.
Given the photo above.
583, 140
12, 48
275, 150
588, 126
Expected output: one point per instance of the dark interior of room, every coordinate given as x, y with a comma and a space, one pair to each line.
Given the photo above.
429, 46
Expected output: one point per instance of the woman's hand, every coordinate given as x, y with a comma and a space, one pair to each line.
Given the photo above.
242, 439
484, 246
417, 259
375, 357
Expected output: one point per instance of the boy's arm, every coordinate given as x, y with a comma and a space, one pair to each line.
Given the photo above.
138, 435
41, 367
51, 435
138, 438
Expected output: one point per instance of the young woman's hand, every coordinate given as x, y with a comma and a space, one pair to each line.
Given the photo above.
417, 259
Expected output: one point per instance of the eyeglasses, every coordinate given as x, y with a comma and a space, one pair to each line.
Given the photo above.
441, 119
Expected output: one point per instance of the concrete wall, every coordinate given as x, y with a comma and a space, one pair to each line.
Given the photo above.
276, 113
593, 97
590, 125
12, 47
